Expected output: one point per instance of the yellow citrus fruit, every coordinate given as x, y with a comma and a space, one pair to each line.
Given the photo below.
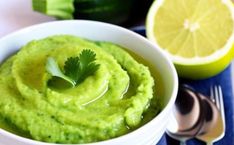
198, 35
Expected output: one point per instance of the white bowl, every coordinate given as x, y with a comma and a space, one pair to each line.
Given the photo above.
148, 134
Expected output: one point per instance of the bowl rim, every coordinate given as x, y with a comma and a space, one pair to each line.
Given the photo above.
166, 108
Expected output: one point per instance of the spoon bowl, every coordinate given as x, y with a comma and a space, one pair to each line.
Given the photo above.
187, 116
195, 115
214, 125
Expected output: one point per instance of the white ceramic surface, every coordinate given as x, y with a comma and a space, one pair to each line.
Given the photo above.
148, 134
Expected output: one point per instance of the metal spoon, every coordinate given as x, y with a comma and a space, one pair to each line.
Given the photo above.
187, 117
214, 126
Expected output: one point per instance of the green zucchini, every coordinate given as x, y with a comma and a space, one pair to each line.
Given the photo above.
61, 9
112, 11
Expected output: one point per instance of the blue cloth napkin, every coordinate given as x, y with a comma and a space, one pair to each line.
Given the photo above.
224, 80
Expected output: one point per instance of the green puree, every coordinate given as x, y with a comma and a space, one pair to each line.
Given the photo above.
118, 98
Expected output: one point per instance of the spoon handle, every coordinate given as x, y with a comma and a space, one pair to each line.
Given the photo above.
209, 143
182, 143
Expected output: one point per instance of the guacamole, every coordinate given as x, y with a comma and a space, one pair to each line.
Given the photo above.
113, 101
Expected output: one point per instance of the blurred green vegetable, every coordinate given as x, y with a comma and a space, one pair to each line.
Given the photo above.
112, 11
61, 9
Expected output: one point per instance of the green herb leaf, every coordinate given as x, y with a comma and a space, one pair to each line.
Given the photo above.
76, 69
71, 67
87, 65
53, 68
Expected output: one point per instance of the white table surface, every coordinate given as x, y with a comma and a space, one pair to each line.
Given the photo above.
17, 14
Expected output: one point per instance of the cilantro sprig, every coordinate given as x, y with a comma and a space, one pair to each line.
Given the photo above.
76, 69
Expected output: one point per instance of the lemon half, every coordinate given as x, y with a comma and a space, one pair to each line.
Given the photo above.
198, 35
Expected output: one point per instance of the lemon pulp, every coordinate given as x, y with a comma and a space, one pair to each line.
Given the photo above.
192, 32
